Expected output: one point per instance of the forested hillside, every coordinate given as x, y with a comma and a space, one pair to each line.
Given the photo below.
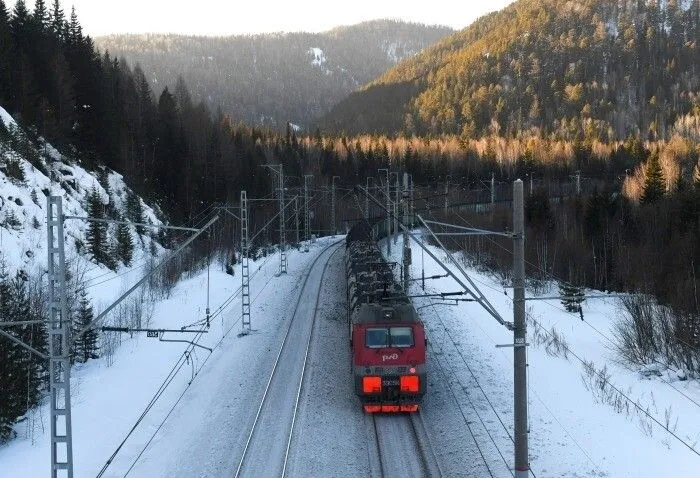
272, 79
572, 69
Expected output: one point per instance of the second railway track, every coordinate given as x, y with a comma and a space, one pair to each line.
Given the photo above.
267, 447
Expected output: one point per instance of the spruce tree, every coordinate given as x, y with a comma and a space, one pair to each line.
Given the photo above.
58, 21
572, 297
41, 15
125, 244
86, 346
5, 48
97, 232
654, 185
134, 210
75, 31
8, 369
21, 373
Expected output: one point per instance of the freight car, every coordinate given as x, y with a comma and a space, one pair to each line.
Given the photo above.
387, 338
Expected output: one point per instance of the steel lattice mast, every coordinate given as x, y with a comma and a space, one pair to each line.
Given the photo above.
59, 359
245, 269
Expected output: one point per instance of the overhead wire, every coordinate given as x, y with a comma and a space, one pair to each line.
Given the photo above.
452, 371
181, 361
144, 261
459, 406
555, 306
196, 374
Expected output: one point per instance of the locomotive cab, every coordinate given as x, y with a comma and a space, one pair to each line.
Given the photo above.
389, 347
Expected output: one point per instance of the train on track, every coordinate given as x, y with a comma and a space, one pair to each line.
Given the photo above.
386, 335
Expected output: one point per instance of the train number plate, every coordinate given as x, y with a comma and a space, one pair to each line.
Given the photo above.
390, 382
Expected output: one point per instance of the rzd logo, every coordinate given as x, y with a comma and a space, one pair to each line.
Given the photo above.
393, 356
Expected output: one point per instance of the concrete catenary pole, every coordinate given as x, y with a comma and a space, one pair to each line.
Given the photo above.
522, 465
397, 201
296, 216
283, 224
388, 209
410, 180
447, 192
578, 183
388, 215
334, 231
406, 240
307, 218
367, 181
493, 189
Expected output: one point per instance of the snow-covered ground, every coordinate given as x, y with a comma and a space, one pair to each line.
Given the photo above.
574, 430
189, 431
23, 245
198, 425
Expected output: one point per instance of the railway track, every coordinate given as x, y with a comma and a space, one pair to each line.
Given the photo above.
402, 447
267, 447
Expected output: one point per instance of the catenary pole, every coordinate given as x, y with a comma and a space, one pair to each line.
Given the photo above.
397, 200
245, 266
406, 240
522, 465
334, 230
59, 358
388, 212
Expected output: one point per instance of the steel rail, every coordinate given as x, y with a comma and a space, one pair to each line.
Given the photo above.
303, 369
276, 362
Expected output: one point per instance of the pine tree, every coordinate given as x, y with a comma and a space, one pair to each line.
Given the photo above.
125, 244
86, 346
654, 185
572, 297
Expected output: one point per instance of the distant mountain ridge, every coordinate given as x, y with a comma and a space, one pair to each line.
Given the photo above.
273, 79
601, 68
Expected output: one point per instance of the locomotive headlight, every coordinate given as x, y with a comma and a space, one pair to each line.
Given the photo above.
412, 370
372, 384
410, 383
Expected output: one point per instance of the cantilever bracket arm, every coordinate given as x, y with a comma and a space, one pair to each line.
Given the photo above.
470, 230
193, 344
144, 279
128, 223
28, 347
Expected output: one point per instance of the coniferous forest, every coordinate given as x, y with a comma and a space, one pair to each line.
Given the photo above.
543, 89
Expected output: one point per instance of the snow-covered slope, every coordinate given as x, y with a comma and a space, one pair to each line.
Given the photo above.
590, 414
25, 166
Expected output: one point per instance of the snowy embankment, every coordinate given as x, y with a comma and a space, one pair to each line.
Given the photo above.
579, 424
23, 210
190, 430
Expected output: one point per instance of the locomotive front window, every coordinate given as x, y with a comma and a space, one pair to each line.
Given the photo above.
377, 338
389, 337
401, 337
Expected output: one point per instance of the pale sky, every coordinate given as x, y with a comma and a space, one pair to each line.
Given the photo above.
222, 17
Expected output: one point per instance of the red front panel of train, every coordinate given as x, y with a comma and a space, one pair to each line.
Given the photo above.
389, 366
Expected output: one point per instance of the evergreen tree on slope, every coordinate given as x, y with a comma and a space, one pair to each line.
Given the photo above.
86, 346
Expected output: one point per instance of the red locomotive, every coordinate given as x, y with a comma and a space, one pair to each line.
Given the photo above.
387, 337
